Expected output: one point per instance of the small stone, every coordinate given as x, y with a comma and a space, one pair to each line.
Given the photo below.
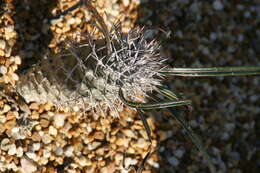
71, 21
118, 158
48, 106
59, 120
46, 139
78, 146
11, 115
36, 137
36, 146
27, 166
66, 28
179, 153
15, 77
17, 60
5, 144
2, 52
12, 149
129, 133
43, 161
12, 166
83, 161
173, 161
58, 30
2, 128
2, 44
163, 135
46, 153
31, 155
34, 106
217, 5
69, 151
6, 108
126, 3
123, 142
59, 151
129, 161
94, 145
78, 20
19, 152
53, 131
10, 124
142, 143
99, 135
143, 134
44, 123
100, 151
8, 51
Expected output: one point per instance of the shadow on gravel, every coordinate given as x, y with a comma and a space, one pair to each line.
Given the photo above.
188, 26
33, 32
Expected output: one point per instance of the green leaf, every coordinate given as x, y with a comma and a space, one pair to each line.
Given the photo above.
145, 123
194, 138
148, 106
168, 93
211, 72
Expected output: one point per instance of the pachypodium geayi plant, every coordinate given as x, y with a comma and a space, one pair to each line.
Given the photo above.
119, 69
87, 76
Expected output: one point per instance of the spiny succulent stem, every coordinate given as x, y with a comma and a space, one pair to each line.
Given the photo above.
102, 24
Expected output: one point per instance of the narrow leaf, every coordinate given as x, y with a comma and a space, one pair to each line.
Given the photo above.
148, 106
168, 93
145, 123
194, 138
213, 71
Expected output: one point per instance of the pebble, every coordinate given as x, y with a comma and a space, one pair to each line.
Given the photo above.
83, 161
173, 161
163, 135
3, 70
126, 2
217, 5
142, 143
59, 151
179, 153
2, 44
46, 139
123, 142
94, 145
19, 152
5, 144
99, 135
59, 120
69, 151
130, 161
34, 106
27, 166
46, 153
12, 149
71, 21
2, 52
31, 155
44, 123
36, 146
2, 128
36, 137
52, 131
129, 133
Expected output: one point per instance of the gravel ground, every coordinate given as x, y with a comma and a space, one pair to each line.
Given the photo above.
226, 110
38, 138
